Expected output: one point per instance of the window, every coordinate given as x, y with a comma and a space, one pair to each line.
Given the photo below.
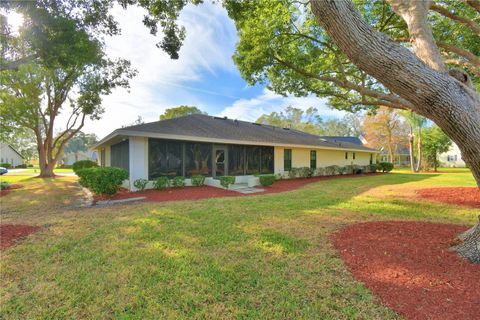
267, 161
346, 155
253, 159
354, 156
313, 159
102, 158
236, 160
198, 159
287, 159
371, 158
164, 158
120, 155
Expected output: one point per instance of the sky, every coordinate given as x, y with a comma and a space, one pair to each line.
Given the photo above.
204, 75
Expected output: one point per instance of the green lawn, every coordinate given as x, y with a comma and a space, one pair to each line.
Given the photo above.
31, 171
262, 257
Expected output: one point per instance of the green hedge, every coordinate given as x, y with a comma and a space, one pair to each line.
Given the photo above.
102, 180
385, 166
21, 166
267, 179
83, 164
372, 167
178, 182
6, 165
161, 183
198, 181
226, 181
4, 185
140, 184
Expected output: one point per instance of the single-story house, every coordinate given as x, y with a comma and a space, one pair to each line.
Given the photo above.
216, 146
9, 155
72, 157
452, 158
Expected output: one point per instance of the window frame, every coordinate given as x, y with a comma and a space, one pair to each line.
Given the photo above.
313, 160
287, 160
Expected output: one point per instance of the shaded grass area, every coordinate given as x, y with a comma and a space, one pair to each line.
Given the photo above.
248, 257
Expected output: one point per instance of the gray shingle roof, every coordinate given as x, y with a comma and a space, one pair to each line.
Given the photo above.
204, 126
354, 140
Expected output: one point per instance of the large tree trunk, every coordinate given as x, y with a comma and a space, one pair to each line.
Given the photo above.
445, 99
451, 104
470, 247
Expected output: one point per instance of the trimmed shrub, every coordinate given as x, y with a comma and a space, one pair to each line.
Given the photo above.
4, 185
21, 166
198, 181
293, 173
30, 165
226, 181
385, 166
140, 184
267, 179
320, 171
178, 182
102, 180
83, 164
372, 167
332, 170
6, 165
161, 183
349, 169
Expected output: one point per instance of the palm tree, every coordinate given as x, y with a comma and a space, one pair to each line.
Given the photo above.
416, 123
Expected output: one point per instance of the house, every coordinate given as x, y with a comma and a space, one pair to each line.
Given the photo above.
215, 146
401, 155
72, 157
9, 155
452, 158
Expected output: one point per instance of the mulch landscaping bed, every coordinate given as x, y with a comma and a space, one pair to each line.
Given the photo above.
409, 267
204, 192
464, 196
10, 188
10, 233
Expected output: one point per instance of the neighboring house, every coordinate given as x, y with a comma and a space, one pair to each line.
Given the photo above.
9, 155
452, 158
401, 156
214, 146
72, 157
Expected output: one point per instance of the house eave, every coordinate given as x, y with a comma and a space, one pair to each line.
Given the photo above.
120, 132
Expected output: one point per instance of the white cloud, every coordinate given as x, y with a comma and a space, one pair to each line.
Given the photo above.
207, 49
269, 101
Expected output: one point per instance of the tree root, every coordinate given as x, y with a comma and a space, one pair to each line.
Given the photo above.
470, 247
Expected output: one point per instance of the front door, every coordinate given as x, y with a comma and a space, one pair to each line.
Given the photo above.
220, 159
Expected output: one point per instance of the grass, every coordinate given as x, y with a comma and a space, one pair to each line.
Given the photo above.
30, 171
231, 258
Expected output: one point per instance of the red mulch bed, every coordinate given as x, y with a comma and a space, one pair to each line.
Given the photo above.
204, 192
10, 233
409, 267
10, 188
462, 196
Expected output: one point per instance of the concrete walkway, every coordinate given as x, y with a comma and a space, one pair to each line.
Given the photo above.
244, 188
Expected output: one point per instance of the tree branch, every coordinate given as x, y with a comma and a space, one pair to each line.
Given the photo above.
473, 59
349, 85
474, 4
14, 65
466, 22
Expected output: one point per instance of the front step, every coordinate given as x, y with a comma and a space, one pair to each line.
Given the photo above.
244, 188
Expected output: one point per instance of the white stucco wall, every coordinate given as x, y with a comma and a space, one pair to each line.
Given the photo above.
138, 158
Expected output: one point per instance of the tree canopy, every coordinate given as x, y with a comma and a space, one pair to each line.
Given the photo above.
180, 111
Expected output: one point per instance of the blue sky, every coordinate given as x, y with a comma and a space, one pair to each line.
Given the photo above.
204, 75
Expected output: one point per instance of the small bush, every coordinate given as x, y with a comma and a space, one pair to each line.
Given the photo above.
6, 165
320, 172
4, 185
226, 181
140, 184
103, 180
198, 181
333, 170
385, 166
178, 182
372, 167
21, 166
30, 165
293, 173
267, 180
66, 166
83, 164
161, 183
